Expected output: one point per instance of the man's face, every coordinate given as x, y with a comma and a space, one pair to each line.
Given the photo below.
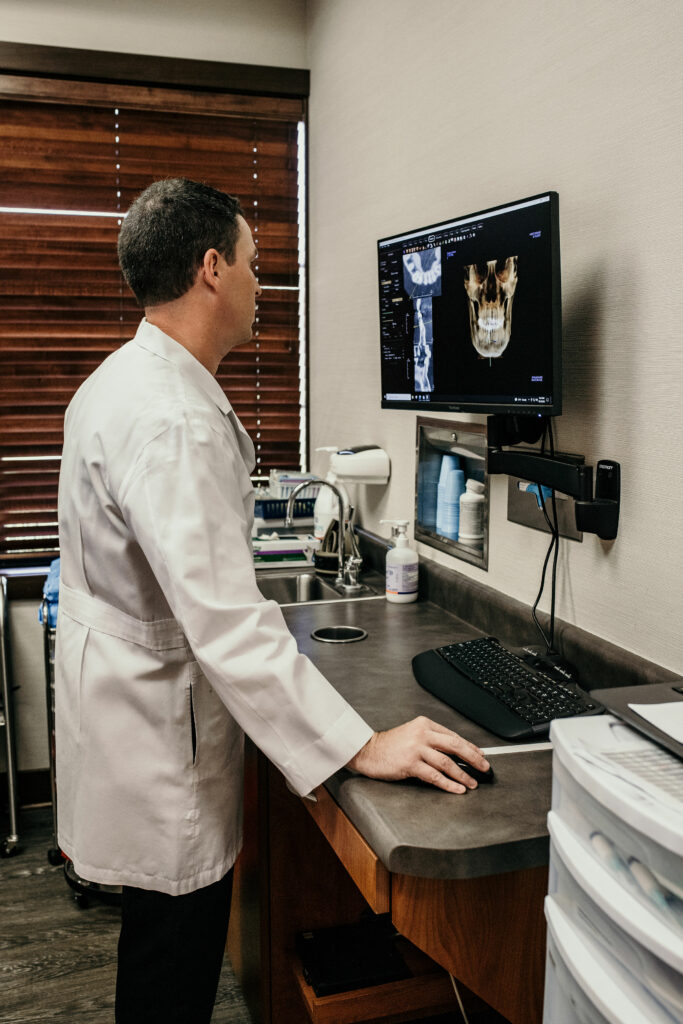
239, 290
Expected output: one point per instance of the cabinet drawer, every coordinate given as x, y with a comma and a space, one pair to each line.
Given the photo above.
359, 859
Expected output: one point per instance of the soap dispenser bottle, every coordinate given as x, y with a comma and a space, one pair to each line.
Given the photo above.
401, 566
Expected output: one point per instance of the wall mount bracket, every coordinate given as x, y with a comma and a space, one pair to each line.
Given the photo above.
595, 513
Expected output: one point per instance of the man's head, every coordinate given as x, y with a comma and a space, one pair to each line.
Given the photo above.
167, 232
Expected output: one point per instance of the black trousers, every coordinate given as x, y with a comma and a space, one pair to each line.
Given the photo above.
170, 954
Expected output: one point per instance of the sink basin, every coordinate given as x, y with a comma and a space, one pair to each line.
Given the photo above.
306, 586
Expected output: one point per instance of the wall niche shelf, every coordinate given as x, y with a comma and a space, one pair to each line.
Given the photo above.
465, 447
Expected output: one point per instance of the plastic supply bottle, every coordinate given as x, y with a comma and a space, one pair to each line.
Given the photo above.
326, 506
472, 503
402, 565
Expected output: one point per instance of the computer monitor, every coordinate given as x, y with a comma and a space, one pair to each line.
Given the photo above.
470, 312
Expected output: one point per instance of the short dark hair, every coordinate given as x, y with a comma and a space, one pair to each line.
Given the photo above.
166, 233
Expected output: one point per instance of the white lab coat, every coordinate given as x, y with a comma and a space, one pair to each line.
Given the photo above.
166, 650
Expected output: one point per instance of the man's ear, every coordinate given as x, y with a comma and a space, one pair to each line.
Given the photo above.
210, 266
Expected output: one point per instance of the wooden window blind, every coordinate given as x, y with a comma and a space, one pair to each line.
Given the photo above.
84, 151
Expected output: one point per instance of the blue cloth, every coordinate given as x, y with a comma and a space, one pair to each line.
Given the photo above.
51, 595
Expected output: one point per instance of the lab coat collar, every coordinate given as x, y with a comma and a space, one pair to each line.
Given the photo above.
154, 340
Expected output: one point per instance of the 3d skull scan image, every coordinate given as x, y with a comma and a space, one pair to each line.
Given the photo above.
490, 289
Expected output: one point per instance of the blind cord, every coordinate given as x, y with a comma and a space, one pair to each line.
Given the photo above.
457, 996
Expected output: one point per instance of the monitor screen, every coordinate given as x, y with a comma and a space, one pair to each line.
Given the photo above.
470, 312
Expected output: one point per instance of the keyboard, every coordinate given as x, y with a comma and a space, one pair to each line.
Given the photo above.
494, 688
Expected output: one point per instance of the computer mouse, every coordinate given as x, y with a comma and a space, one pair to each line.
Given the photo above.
474, 773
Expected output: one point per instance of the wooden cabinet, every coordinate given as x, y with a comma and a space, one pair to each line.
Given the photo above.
305, 866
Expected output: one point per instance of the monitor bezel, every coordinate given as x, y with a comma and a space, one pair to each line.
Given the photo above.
554, 408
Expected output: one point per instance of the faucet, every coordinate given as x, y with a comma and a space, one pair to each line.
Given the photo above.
289, 522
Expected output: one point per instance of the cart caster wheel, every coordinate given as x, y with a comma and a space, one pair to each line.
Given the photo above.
81, 901
54, 856
9, 849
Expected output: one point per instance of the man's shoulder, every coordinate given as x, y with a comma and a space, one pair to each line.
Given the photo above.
133, 382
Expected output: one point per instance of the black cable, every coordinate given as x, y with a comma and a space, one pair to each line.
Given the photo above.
553, 587
554, 546
546, 641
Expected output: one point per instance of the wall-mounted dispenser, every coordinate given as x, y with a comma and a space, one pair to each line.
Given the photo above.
362, 464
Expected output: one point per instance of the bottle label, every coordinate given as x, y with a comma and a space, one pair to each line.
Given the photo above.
402, 579
471, 519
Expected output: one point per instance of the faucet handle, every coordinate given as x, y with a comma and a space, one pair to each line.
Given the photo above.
351, 570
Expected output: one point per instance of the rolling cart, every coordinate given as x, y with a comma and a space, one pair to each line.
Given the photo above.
10, 845
83, 890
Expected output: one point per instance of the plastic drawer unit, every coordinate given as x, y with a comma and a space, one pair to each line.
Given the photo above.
581, 985
623, 821
614, 908
636, 947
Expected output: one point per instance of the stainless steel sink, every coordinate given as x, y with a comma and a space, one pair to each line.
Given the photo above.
306, 586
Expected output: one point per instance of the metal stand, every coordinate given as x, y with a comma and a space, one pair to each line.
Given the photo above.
54, 854
10, 844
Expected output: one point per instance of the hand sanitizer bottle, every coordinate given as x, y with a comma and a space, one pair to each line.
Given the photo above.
402, 566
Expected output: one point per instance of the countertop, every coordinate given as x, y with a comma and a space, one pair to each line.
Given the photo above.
416, 829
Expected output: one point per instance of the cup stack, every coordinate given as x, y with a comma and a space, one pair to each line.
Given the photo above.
427, 484
451, 486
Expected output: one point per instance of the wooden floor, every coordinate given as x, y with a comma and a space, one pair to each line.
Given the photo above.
57, 961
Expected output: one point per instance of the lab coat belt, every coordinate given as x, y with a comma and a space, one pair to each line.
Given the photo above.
156, 635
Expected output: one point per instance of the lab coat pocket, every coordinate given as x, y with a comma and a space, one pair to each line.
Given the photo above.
217, 739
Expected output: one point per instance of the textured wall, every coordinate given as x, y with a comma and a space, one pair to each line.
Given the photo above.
270, 32
424, 112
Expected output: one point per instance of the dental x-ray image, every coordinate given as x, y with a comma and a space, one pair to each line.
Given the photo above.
423, 343
490, 290
422, 281
422, 273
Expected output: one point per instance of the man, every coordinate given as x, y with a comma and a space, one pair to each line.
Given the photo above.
166, 651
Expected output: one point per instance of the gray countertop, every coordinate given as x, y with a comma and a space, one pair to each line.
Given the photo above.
416, 829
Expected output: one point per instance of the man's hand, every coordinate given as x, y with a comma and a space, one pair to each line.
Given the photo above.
419, 749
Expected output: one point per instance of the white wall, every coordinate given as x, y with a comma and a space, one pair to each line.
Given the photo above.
269, 32
29, 708
420, 112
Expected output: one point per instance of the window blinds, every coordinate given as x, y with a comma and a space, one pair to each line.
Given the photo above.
64, 303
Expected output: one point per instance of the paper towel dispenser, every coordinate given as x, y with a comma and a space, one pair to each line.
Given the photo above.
362, 464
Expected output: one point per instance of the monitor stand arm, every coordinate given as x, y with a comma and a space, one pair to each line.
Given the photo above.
597, 513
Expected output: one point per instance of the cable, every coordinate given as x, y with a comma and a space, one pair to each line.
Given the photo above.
554, 547
546, 640
553, 587
457, 996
